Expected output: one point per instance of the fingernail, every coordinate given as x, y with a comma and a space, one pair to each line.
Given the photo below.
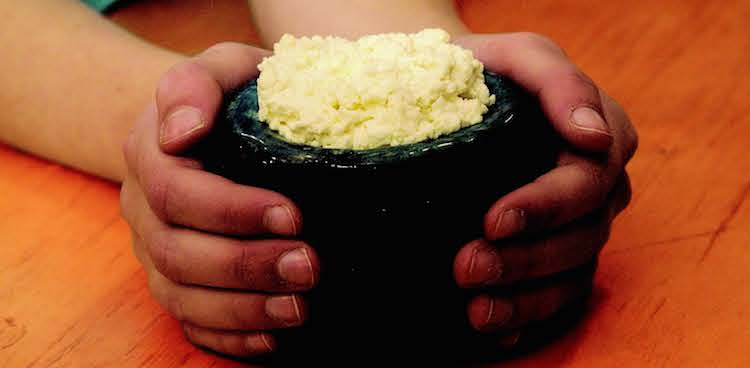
260, 343
510, 222
499, 313
284, 309
279, 220
485, 266
295, 267
589, 119
183, 121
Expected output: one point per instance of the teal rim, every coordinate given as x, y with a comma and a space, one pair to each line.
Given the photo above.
242, 112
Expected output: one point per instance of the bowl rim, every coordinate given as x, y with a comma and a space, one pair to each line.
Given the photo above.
241, 115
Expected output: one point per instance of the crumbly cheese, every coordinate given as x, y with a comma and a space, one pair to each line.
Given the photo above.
381, 90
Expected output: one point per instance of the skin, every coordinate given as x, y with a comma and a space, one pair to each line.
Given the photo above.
52, 97
353, 18
221, 257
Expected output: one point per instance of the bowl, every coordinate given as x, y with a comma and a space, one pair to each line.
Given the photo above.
388, 222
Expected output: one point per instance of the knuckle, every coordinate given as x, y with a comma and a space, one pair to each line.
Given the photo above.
172, 82
580, 89
587, 92
165, 295
538, 40
596, 181
240, 312
232, 215
159, 192
175, 306
549, 210
138, 248
165, 87
163, 250
579, 77
220, 49
242, 267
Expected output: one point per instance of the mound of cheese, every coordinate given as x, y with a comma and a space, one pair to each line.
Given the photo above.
381, 90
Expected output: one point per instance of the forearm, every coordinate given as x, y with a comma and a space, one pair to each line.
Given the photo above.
352, 18
73, 83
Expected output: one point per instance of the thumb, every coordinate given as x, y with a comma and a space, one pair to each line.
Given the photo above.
190, 94
570, 100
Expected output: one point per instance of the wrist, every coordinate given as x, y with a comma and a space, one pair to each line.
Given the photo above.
353, 19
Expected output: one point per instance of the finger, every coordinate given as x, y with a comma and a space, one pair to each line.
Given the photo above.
234, 343
569, 98
190, 257
579, 185
190, 94
180, 194
489, 313
481, 264
227, 310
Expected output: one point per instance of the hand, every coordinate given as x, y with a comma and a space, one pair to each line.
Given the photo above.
194, 231
561, 221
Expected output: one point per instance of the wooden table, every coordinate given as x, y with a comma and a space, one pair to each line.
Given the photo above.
672, 287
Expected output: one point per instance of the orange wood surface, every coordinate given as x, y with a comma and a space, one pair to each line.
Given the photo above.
672, 286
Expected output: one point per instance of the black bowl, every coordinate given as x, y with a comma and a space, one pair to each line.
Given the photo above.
388, 222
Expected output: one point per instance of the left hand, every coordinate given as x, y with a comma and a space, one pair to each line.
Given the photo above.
221, 258
560, 221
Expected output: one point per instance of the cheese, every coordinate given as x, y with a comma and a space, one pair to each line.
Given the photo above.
381, 90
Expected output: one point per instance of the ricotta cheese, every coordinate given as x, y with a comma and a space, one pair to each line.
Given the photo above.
381, 90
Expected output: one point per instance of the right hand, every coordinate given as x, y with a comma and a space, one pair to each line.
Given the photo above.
193, 231
542, 240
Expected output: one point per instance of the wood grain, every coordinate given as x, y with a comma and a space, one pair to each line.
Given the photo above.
672, 284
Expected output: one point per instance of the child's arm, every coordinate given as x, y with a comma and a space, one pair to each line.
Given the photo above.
352, 19
73, 83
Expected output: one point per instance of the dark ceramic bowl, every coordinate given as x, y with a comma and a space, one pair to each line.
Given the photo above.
388, 222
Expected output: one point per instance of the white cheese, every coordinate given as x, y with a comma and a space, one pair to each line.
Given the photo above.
381, 90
